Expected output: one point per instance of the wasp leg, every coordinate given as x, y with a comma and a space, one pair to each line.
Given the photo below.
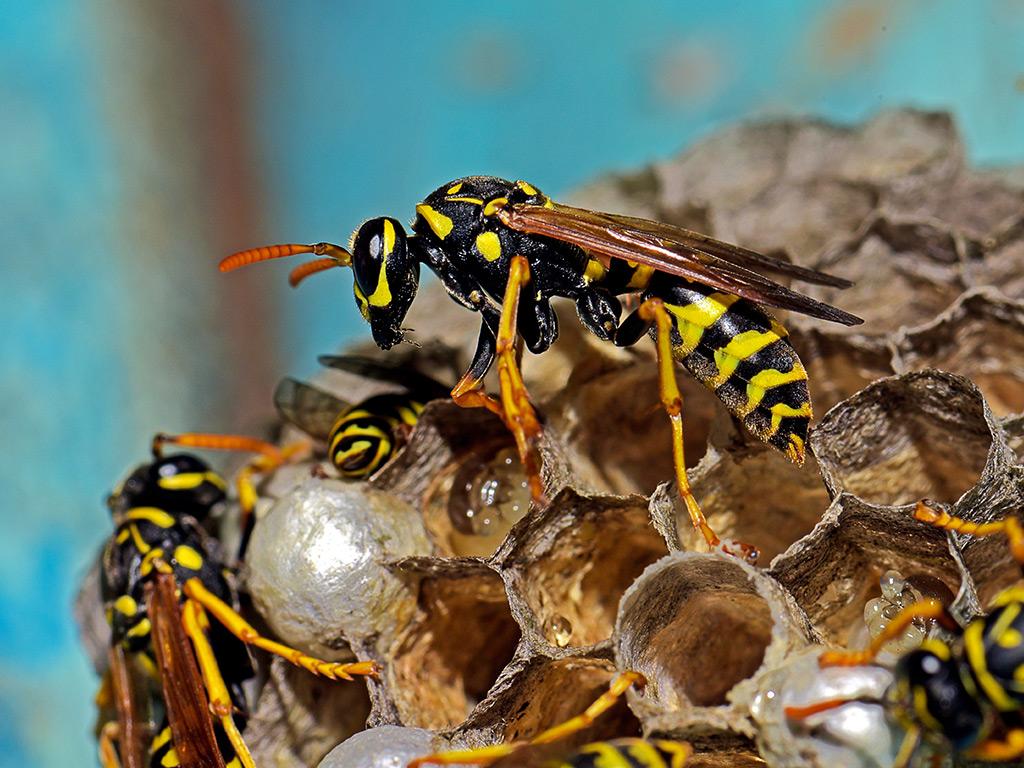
268, 458
1009, 525
928, 608
468, 391
653, 312
995, 750
109, 734
515, 408
196, 626
245, 632
488, 755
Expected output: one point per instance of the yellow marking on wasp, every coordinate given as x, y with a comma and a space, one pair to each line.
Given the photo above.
454, 188
770, 378
161, 738
1006, 619
974, 645
739, 348
606, 756
1018, 673
157, 517
183, 481
645, 754
679, 751
595, 271
492, 207
781, 411
147, 562
122, 536
777, 328
693, 319
441, 224
353, 431
1011, 638
141, 629
640, 278
921, 710
234, 763
549, 203
187, 557
489, 245
389, 237
357, 413
140, 543
358, 447
409, 415
170, 759
1009, 595
795, 449
126, 604
473, 200
364, 308
527, 187
381, 295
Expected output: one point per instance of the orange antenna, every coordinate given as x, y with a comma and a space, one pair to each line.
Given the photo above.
339, 255
303, 271
218, 443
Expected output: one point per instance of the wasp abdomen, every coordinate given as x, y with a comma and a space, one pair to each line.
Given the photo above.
364, 438
628, 753
744, 356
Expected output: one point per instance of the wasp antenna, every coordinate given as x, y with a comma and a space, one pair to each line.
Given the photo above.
303, 271
267, 252
222, 443
808, 710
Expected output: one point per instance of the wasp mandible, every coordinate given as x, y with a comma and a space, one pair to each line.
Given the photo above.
505, 249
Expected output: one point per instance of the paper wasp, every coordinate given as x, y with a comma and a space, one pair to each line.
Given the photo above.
361, 438
504, 249
617, 753
162, 579
964, 696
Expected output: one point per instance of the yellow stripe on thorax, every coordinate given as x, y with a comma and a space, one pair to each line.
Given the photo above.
595, 271
489, 245
974, 645
441, 224
154, 515
606, 756
693, 319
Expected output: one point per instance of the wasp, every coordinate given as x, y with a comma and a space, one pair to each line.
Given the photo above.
966, 695
505, 249
617, 753
362, 437
162, 579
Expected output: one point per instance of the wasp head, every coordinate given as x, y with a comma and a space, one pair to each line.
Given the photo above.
386, 278
181, 485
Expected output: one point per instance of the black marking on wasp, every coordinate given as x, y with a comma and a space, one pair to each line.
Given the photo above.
162, 578
504, 249
965, 695
362, 437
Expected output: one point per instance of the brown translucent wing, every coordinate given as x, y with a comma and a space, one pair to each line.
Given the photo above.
310, 409
680, 252
133, 728
385, 370
188, 709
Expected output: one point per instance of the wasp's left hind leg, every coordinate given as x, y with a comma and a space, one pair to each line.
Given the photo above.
652, 314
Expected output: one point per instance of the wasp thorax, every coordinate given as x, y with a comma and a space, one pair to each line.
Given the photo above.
386, 277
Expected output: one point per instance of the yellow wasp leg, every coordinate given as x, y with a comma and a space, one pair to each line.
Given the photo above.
993, 750
196, 625
653, 311
245, 632
929, 608
1009, 525
515, 407
108, 752
488, 755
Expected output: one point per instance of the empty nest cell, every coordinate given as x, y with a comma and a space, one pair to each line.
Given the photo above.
904, 438
695, 626
454, 648
574, 562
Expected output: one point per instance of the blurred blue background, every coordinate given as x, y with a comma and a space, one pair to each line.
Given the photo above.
143, 140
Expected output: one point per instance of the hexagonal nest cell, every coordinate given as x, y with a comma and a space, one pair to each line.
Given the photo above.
494, 620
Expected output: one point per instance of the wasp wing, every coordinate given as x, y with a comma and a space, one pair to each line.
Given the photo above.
133, 733
310, 409
677, 251
401, 373
188, 708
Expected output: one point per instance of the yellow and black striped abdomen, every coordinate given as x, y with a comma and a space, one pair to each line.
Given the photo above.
994, 648
743, 355
366, 436
628, 753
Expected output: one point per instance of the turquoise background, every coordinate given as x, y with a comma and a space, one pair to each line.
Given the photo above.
143, 140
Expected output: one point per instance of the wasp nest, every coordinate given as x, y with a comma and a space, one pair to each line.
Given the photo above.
492, 622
